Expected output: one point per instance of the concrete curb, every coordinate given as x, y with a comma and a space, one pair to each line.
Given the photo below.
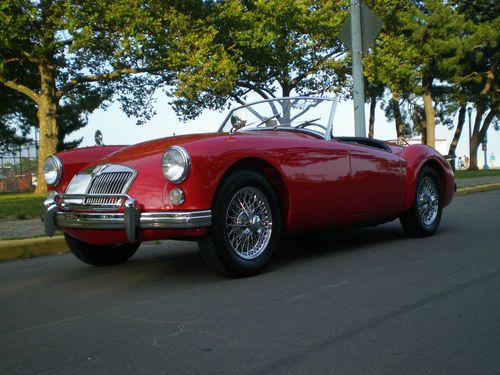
30, 247
477, 189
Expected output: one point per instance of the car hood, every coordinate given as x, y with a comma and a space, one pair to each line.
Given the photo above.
155, 147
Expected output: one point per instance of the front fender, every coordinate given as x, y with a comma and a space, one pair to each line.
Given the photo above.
76, 159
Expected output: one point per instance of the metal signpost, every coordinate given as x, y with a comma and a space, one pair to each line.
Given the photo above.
358, 32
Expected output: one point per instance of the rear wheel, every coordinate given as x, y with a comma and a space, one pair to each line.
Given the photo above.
424, 217
246, 226
101, 255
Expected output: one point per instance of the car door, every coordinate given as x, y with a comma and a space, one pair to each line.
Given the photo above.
378, 182
318, 178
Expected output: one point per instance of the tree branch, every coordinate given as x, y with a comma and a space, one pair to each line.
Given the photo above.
22, 89
102, 77
253, 88
316, 66
487, 121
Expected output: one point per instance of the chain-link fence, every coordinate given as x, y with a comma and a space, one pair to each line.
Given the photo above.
18, 169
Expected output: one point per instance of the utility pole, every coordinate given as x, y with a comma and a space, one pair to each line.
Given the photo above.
358, 32
469, 112
358, 91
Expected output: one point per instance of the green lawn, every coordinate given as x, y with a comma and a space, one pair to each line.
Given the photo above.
480, 173
20, 205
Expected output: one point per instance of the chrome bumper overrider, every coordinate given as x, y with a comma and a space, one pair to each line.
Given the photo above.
131, 219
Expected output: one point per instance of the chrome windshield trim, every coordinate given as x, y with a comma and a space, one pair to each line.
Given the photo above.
329, 125
147, 220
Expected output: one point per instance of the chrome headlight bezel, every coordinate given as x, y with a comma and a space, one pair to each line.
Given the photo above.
175, 164
52, 170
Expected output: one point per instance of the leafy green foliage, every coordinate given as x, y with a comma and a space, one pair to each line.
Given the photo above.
447, 49
69, 57
269, 48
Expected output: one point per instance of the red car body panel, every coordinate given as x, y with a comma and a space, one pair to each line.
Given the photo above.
111, 237
320, 183
75, 160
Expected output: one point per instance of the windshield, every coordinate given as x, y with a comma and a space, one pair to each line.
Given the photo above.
312, 115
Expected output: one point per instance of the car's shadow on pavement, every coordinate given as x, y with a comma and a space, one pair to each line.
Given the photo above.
180, 260
299, 247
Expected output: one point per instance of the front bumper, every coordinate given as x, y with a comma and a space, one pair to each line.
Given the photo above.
131, 219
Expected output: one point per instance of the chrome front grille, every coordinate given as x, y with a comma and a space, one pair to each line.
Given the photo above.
102, 188
107, 183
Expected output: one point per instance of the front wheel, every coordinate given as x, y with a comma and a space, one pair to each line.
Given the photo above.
424, 217
101, 255
246, 226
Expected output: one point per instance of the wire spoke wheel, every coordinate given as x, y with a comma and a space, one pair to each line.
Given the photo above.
249, 223
246, 225
424, 217
428, 201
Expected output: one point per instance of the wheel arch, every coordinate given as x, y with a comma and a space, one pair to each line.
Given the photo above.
269, 172
443, 181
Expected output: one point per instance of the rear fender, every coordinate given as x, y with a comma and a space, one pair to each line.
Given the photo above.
419, 156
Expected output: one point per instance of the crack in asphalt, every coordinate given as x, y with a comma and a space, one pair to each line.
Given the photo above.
298, 357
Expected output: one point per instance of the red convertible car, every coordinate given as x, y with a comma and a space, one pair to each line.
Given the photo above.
274, 167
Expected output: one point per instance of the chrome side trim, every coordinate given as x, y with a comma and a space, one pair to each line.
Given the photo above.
146, 220
176, 219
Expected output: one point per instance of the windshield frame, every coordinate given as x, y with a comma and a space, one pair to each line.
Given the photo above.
329, 128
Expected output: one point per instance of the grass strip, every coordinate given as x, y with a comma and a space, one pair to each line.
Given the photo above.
20, 205
479, 173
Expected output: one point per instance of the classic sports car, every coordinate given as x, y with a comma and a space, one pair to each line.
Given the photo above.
273, 167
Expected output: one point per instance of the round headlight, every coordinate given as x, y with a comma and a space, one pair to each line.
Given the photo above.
52, 170
175, 164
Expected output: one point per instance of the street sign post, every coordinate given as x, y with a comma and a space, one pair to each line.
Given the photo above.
358, 32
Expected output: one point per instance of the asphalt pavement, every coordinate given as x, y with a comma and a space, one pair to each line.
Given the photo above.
369, 301
26, 238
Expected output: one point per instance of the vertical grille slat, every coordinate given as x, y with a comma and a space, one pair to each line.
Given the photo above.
108, 183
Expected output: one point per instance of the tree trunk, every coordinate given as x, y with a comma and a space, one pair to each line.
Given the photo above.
430, 115
456, 136
47, 110
371, 121
474, 145
400, 126
479, 135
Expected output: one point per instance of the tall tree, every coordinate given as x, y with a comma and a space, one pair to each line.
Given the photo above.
393, 63
418, 52
479, 76
106, 46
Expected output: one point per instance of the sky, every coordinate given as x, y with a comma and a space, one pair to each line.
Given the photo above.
117, 128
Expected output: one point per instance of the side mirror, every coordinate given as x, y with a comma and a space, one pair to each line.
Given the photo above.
98, 138
238, 120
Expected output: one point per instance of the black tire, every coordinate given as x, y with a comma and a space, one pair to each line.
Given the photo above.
241, 241
423, 218
101, 255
